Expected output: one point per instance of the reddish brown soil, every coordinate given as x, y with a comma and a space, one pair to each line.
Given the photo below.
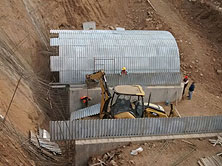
24, 42
162, 153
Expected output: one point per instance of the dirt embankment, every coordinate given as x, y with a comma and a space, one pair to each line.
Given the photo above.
19, 47
202, 57
24, 50
24, 41
24, 47
197, 28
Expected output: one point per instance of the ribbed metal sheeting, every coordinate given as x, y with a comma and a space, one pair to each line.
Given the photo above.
85, 112
91, 129
83, 52
145, 79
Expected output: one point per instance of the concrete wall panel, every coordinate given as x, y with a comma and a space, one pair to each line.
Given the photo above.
158, 94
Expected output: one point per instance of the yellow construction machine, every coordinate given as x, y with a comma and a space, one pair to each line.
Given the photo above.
126, 102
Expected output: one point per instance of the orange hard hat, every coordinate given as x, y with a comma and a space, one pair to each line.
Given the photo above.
83, 97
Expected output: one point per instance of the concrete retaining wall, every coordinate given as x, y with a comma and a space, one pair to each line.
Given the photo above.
85, 151
76, 92
159, 94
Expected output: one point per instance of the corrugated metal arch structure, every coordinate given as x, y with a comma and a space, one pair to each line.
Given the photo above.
151, 57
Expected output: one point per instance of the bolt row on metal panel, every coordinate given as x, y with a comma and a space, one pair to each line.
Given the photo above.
112, 128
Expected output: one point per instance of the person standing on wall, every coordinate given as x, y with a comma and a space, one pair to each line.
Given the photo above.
124, 71
185, 81
191, 89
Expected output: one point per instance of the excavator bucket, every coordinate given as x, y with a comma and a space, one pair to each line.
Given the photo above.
91, 83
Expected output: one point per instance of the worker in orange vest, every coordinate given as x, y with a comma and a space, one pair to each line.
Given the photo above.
85, 100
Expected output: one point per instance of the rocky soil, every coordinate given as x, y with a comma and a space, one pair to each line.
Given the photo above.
25, 51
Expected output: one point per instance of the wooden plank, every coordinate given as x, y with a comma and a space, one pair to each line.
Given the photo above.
219, 154
217, 160
210, 161
206, 162
213, 161
203, 161
187, 142
220, 159
177, 111
151, 5
220, 138
200, 163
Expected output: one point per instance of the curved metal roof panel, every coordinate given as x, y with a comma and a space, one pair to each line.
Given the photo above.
142, 52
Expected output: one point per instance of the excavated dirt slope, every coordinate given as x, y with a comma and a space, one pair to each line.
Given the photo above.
24, 50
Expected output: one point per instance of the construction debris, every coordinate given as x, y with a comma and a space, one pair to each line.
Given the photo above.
219, 71
113, 163
33, 139
50, 146
151, 5
190, 143
132, 162
42, 141
44, 134
136, 151
1, 117
210, 161
217, 141
109, 158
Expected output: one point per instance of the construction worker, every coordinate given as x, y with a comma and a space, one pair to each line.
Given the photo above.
124, 71
191, 89
185, 81
85, 100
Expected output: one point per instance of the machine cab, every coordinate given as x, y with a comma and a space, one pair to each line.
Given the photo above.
127, 102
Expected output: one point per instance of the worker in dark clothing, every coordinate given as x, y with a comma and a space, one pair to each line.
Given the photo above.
185, 81
191, 89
